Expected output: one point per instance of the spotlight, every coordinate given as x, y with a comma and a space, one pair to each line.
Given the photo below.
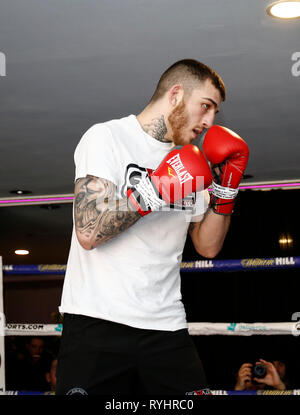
285, 241
284, 9
21, 252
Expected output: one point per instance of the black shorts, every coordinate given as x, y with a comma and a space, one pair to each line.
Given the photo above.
100, 357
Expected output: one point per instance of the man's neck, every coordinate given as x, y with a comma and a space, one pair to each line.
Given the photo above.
154, 125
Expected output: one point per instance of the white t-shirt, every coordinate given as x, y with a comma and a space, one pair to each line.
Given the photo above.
134, 278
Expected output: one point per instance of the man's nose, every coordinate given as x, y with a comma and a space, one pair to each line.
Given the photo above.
208, 121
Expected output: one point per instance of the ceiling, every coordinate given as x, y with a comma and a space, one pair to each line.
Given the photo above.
73, 63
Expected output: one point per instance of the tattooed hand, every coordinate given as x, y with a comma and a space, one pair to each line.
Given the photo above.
99, 216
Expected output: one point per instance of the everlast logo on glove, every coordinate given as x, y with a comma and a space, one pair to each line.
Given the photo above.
177, 165
162, 188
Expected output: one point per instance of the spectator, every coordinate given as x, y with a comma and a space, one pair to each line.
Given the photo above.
275, 377
51, 375
31, 366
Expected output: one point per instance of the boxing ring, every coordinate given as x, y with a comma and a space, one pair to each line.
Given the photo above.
195, 328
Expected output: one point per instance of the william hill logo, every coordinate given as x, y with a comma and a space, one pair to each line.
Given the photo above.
197, 264
261, 262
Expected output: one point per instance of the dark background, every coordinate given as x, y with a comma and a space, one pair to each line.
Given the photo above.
73, 64
259, 219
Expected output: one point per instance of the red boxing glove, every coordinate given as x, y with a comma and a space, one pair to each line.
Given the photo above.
181, 172
228, 154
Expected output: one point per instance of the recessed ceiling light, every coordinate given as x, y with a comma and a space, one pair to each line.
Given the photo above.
20, 192
284, 9
21, 252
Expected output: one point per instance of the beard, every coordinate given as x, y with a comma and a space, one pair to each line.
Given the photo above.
179, 120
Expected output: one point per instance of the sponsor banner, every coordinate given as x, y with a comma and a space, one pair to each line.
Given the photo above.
33, 329
34, 269
28, 393
257, 393
212, 392
241, 329
246, 264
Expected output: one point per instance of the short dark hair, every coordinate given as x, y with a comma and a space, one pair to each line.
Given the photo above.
30, 338
189, 72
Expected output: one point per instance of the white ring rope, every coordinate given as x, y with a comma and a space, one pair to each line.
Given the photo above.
195, 329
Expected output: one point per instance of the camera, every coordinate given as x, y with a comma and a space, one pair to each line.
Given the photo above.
259, 371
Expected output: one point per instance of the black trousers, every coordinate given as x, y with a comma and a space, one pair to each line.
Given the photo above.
100, 357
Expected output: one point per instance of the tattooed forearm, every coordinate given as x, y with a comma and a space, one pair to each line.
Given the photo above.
157, 129
98, 215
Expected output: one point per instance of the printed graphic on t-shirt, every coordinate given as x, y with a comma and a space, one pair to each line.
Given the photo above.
133, 175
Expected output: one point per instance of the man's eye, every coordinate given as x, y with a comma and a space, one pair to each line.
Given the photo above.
206, 107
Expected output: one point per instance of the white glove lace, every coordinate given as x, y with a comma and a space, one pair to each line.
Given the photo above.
148, 194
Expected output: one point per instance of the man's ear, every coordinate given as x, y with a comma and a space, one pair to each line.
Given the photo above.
175, 94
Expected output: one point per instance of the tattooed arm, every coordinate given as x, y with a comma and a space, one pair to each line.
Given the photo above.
98, 216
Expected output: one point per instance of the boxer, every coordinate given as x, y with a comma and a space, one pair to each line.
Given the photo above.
140, 187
